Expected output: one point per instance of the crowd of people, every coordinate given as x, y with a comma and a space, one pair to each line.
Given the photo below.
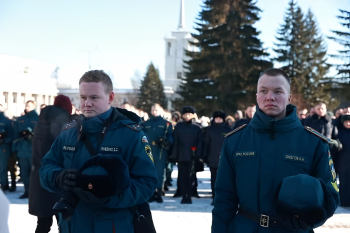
168, 138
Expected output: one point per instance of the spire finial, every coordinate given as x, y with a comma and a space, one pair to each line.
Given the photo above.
182, 15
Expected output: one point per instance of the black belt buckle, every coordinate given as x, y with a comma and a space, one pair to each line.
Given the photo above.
264, 220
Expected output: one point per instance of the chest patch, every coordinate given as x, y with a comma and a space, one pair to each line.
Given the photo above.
69, 148
245, 154
294, 158
147, 127
161, 126
113, 150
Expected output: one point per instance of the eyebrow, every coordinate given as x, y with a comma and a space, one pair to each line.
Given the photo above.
278, 88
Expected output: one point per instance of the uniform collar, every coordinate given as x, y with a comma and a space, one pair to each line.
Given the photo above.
261, 121
31, 113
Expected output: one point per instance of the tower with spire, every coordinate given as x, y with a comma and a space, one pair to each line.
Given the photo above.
175, 46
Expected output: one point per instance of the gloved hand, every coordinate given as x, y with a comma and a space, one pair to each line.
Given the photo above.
87, 196
296, 224
334, 144
67, 179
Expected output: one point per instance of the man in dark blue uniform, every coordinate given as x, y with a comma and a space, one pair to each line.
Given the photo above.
160, 135
113, 133
6, 137
23, 144
256, 158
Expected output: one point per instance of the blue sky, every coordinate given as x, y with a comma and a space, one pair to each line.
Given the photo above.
128, 35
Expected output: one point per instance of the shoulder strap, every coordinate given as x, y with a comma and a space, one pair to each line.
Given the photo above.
235, 130
311, 130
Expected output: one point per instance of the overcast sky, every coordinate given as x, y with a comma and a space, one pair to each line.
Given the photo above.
123, 36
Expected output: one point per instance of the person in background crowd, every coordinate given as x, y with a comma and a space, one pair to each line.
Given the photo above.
346, 110
160, 135
214, 137
339, 112
175, 117
50, 124
12, 160
4, 213
42, 106
302, 115
312, 112
274, 175
205, 121
230, 121
238, 115
126, 105
322, 123
249, 114
342, 165
188, 143
23, 143
6, 138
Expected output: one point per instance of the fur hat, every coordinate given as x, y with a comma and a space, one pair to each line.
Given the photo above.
188, 109
219, 114
104, 176
64, 102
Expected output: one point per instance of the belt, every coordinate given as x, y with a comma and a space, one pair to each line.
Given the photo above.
263, 220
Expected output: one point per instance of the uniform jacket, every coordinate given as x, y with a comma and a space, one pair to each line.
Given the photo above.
6, 126
156, 128
186, 135
256, 159
214, 137
50, 124
22, 146
244, 121
123, 139
343, 156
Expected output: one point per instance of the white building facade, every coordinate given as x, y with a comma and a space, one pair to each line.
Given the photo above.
23, 79
175, 46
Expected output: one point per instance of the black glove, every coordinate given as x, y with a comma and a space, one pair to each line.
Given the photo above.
87, 196
296, 224
26, 134
67, 179
3, 135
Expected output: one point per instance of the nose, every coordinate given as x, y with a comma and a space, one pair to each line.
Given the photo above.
87, 103
270, 96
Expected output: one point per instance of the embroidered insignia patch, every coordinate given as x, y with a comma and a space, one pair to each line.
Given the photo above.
144, 139
295, 158
112, 150
149, 152
69, 148
245, 154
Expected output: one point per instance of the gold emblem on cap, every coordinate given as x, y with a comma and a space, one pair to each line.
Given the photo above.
90, 186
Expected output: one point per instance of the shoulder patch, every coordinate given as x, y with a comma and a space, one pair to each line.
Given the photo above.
235, 130
69, 126
311, 130
135, 127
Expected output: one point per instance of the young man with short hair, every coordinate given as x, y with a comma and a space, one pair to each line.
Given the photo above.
104, 159
274, 175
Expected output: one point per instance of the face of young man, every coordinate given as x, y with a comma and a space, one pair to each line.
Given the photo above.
321, 110
346, 124
218, 120
273, 96
93, 99
250, 111
188, 116
157, 110
29, 107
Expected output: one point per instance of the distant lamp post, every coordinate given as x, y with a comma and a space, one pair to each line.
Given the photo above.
88, 52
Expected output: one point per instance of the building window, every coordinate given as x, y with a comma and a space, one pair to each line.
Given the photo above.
169, 49
179, 75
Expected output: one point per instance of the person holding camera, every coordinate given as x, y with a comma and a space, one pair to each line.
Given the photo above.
102, 165
160, 134
23, 144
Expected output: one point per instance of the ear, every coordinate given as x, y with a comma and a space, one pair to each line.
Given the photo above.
289, 98
111, 97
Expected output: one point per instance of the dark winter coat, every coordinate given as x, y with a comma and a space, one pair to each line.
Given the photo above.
214, 137
323, 125
51, 121
186, 135
241, 122
343, 156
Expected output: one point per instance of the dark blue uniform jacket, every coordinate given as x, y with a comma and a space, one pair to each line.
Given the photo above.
256, 159
22, 146
6, 127
123, 139
156, 128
